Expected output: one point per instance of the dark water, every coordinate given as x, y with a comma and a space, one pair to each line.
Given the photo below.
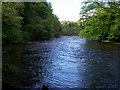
65, 62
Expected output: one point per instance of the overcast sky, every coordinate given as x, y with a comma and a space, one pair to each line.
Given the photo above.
66, 9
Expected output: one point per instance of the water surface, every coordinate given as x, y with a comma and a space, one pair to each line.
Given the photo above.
65, 62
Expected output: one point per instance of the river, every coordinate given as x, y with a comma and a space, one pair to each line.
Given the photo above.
64, 62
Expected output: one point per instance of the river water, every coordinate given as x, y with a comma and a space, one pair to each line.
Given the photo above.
65, 62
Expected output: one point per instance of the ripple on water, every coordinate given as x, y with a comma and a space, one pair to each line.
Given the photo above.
65, 62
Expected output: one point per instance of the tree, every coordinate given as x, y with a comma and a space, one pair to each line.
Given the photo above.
27, 21
70, 28
11, 23
39, 21
103, 23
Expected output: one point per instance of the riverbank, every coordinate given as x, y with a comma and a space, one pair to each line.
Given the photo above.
107, 41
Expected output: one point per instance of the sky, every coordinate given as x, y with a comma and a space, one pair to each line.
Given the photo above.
66, 9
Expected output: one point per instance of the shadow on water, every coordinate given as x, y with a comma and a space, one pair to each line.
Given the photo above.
65, 62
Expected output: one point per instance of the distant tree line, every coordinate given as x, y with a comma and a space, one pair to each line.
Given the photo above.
70, 28
28, 21
100, 21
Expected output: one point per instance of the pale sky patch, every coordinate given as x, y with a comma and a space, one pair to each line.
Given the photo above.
66, 9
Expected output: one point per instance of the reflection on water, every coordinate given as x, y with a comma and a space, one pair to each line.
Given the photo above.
65, 62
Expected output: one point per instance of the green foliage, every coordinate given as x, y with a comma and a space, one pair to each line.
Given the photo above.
39, 21
70, 28
102, 24
28, 21
11, 27
57, 27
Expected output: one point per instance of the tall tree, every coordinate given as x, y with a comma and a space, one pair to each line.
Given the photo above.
102, 24
39, 20
27, 21
11, 22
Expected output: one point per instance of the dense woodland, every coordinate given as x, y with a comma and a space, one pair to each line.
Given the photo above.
100, 21
26, 21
